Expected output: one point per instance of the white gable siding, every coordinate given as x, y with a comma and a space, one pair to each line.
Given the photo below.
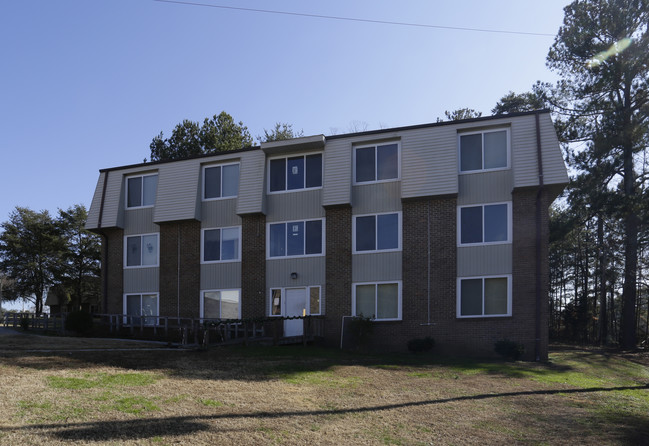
252, 180
178, 191
93, 213
337, 181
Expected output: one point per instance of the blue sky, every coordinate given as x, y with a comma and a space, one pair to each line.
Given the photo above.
86, 84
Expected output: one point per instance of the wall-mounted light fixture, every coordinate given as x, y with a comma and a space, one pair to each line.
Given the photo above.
293, 276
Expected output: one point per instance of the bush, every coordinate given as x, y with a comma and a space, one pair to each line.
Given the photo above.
79, 322
24, 322
509, 349
421, 344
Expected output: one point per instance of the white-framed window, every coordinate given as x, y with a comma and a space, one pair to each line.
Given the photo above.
221, 304
141, 250
380, 301
141, 306
221, 245
296, 238
141, 190
295, 172
484, 224
485, 150
376, 163
487, 296
376, 232
313, 305
220, 181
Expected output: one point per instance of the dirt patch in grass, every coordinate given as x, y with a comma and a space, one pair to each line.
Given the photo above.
296, 395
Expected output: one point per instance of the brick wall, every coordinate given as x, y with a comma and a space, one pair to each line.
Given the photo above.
112, 270
253, 265
180, 241
338, 301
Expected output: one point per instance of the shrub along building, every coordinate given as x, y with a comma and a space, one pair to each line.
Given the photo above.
434, 230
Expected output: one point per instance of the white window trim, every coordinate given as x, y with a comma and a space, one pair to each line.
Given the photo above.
142, 192
207, 262
364, 146
202, 302
286, 190
157, 263
482, 132
283, 299
483, 243
157, 301
324, 242
207, 166
497, 276
374, 251
400, 297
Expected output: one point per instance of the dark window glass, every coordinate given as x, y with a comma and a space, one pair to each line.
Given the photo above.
295, 173
277, 175
149, 187
314, 237
295, 238
134, 192
314, 170
213, 182
365, 164
212, 245
387, 162
388, 231
366, 233
470, 152
495, 223
495, 295
278, 240
387, 301
230, 181
495, 150
471, 224
471, 297
133, 251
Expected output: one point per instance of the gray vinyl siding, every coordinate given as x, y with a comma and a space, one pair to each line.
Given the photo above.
486, 187
141, 280
219, 213
178, 191
93, 213
429, 162
252, 182
139, 221
310, 272
218, 276
298, 205
484, 260
337, 180
376, 197
376, 267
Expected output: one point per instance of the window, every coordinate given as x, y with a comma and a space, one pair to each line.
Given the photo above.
221, 245
379, 301
296, 172
220, 181
377, 232
139, 306
312, 295
141, 250
141, 190
296, 238
484, 151
376, 163
484, 296
484, 224
221, 304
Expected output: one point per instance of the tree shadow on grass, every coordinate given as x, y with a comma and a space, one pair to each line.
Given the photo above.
636, 427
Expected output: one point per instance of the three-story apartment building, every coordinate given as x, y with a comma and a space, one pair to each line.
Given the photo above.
431, 230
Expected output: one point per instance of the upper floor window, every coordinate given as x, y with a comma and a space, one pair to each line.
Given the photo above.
296, 238
484, 296
295, 172
220, 181
379, 232
141, 250
141, 190
484, 224
486, 150
376, 163
221, 245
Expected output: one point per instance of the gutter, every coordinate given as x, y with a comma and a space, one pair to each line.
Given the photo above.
539, 252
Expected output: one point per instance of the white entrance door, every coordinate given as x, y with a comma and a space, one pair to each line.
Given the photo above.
295, 306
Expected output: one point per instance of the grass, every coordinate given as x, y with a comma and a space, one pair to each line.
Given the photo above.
296, 395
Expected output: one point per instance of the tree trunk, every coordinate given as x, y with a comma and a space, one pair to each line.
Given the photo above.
603, 323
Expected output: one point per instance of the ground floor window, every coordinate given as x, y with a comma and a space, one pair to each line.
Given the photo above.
142, 308
303, 300
484, 296
378, 300
221, 304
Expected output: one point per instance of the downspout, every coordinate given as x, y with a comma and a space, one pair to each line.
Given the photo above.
539, 253
104, 259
